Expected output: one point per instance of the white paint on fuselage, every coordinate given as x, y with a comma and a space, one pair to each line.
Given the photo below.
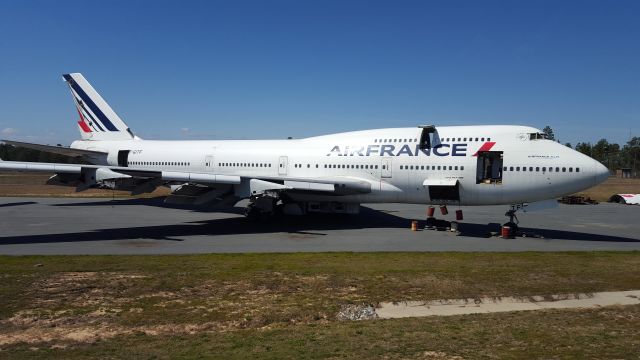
313, 158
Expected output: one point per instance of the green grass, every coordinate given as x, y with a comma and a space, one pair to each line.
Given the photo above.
285, 305
611, 333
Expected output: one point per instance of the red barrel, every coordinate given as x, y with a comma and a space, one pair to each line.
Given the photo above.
506, 232
443, 209
430, 211
458, 215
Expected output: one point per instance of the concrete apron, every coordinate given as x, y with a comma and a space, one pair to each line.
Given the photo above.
389, 310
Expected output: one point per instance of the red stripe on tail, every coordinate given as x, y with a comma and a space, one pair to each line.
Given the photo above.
83, 125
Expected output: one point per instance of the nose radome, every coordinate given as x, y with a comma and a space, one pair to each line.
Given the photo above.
601, 172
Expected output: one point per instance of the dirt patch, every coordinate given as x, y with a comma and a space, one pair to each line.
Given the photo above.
91, 334
81, 289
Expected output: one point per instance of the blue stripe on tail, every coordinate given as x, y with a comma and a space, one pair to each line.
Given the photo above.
87, 100
85, 112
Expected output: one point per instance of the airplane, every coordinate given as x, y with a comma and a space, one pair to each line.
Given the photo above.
431, 165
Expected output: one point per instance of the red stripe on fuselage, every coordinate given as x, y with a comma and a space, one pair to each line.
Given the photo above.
485, 147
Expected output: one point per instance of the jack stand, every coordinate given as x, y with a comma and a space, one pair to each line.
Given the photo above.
513, 219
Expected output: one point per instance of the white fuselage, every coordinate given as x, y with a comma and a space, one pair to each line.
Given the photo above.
524, 169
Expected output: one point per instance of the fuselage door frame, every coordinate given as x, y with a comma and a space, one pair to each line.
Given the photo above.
208, 163
283, 163
386, 167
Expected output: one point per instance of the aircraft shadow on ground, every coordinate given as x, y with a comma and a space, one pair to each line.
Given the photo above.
313, 225
20, 203
154, 202
484, 230
305, 225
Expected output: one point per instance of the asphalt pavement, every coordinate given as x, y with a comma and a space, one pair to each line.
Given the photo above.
30, 226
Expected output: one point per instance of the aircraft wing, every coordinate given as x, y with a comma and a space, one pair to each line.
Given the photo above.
118, 172
67, 151
140, 180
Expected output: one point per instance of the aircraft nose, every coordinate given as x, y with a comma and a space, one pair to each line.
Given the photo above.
601, 172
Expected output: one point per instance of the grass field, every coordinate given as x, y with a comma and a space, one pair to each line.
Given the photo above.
285, 306
34, 184
613, 186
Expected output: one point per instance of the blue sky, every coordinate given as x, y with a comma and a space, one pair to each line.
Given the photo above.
272, 69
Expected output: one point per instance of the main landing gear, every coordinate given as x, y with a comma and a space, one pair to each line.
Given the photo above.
262, 208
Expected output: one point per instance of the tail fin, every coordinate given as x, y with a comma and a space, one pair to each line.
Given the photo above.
97, 120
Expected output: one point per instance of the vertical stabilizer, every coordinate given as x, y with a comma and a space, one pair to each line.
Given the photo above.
97, 121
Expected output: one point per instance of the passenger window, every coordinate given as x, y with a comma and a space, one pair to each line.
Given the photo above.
544, 169
557, 169
524, 168
570, 169
461, 167
517, 168
450, 167
422, 167
564, 169
511, 168
537, 169
530, 168
376, 166
577, 169
457, 168
504, 168
476, 139
438, 167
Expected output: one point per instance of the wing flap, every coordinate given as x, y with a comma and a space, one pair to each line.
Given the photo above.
41, 167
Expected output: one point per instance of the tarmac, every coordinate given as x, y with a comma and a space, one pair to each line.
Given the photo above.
64, 226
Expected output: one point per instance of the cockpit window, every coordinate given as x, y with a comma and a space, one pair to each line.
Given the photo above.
537, 136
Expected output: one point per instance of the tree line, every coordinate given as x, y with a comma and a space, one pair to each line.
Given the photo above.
613, 156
